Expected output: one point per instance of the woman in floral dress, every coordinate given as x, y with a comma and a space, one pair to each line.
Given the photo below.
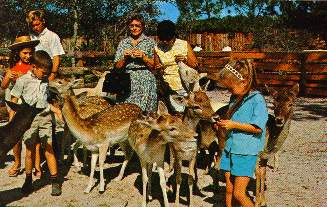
135, 55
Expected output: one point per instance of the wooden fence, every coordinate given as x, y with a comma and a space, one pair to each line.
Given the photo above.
277, 69
217, 41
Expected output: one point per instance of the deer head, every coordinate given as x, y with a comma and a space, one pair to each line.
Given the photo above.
60, 88
197, 103
170, 127
283, 101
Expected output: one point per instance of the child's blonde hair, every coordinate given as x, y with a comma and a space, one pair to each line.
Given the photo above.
34, 15
238, 70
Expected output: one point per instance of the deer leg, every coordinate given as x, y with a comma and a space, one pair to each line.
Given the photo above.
217, 158
94, 160
149, 172
171, 164
145, 182
66, 139
76, 163
102, 157
276, 161
178, 169
191, 179
85, 157
163, 185
258, 187
128, 151
262, 185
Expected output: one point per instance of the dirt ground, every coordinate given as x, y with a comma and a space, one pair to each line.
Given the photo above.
300, 180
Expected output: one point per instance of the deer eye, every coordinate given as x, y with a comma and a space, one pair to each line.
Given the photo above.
172, 129
196, 107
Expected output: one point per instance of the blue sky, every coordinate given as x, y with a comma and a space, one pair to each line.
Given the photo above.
169, 11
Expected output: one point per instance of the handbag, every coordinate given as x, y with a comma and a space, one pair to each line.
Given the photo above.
117, 82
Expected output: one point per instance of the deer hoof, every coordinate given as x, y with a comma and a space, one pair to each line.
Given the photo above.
88, 188
101, 188
119, 178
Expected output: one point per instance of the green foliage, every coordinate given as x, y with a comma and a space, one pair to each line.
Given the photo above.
66, 61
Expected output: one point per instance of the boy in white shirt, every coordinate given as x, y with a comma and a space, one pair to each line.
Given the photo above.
33, 89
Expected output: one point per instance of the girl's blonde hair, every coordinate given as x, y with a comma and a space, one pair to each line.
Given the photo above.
237, 70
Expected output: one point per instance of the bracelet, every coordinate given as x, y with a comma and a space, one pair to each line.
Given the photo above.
54, 72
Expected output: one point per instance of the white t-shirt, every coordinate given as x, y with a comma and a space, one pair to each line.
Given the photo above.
32, 90
49, 42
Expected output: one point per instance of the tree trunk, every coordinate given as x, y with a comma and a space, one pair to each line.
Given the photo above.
75, 12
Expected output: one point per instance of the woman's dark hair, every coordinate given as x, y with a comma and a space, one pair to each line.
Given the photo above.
42, 60
137, 18
166, 30
14, 54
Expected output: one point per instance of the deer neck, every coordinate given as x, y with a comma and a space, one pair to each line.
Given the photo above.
78, 127
147, 143
190, 119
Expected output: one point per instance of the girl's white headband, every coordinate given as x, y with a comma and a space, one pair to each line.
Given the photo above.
235, 72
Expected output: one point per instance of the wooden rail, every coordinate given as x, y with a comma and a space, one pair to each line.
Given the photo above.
277, 69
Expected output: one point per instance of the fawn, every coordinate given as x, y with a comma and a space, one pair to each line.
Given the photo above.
197, 107
149, 138
278, 126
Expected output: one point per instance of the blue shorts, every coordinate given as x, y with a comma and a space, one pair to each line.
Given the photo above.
238, 165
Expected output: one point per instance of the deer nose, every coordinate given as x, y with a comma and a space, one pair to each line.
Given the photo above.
279, 120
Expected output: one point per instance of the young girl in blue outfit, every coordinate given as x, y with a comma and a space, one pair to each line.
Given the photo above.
246, 128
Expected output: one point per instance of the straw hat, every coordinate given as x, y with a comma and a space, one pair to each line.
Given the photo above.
23, 42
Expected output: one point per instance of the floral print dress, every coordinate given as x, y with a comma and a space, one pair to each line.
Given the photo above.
143, 82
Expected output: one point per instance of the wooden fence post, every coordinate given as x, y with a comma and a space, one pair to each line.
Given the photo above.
303, 73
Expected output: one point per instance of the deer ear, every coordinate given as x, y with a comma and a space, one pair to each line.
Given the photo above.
295, 90
162, 108
180, 100
271, 91
205, 86
80, 95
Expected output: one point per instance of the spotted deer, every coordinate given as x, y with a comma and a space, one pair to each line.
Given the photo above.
278, 126
100, 131
197, 108
149, 140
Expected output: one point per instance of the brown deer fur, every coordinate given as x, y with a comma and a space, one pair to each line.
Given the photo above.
277, 131
148, 139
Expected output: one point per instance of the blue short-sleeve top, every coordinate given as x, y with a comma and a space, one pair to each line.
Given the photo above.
253, 110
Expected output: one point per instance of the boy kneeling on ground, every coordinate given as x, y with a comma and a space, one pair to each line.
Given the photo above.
33, 88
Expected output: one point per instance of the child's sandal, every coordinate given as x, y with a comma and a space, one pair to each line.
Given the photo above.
12, 172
